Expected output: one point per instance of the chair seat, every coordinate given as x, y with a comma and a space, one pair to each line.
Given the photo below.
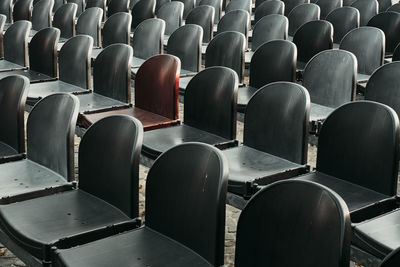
41, 90
244, 95
6, 150
9, 66
362, 78
355, 196
248, 166
140, 247
96, 102
40, 222
247, 57
378, 236
137, 62
149, 120
319, 113
32, 75
158, 141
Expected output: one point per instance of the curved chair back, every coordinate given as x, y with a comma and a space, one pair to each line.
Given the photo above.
89, 23
227, 49
117, 29
271, 27
51, 131
64, 20
148, 38
74, 61
116, 6
302, 14
276, 121
157, 86
269, 8
197, 217
185, 43
343, 19
97, 3
112, 72
189, 5
16, 42
204, 17
368, 45
3, 20
159, 3
395, 8
6, 7
310, 218
113, 135
13, 94
331, 84
23, 10
352, 160
389, 23
210, 101
236, 20
217, 5
312, 38
41, 14
58, 4
392, 260
327, 6
367, 8
239, 4
141, 11
385, 4
172, 14
43, 51
290, 4
81, 6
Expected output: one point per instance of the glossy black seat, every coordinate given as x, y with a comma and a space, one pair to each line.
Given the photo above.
58, 4
352, 169
13, 92
312, 38
288, 220
217, 5
367, 8
269, 8
389, 23
89, 23
236, 20
81, 6
189, 5
23, 10
116, 6
290, 4
92, 210
102, 4
384, 5
6, 8
272, 61
42, 14
302, 14
209, 114
170, 237
141, 11
327, 6
204, 17
239, 4
275, 139
64, 20
159, 3
343, 19
172, 14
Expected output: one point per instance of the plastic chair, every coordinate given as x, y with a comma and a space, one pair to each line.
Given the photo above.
327, 6
302, 14
41, 14
236, 20
89, 23
204, 17
217, 5
269, 8
172, 14
343, 19
367, 9
64, 20
141, 11
117, 6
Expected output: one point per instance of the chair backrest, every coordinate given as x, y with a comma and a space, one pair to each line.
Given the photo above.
389, 23
13, 93
157, 86
89, 23
302, 14
227, 49
210, 101
51, 131
58, 4
239, 4
392, 260
272, 62
41, 14
395, 8
327, 6
269, 8
271, 27
98, 3
330, 78
81, 6
290, 4
343, 19
345, 155
3, 20
368, 45
112, 72
185, 43
16, 42
189, 5
159, 3
204, 17
141, 11
101, 173
74, 61
6, 7
367, 8
43, 51
117, 6
217, 5
276, 121
148, 38
64, 20
312, 38
195, 215
23, 10
117, 29
385, 4
236, 20
172, 14
309, 219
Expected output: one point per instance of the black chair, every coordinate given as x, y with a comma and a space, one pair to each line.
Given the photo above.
343, 19
236, 20
204, 17
275, 139
23, 10
178, 236
209, 114
141, 11
312, 38
42, 14
217, 5
269, 8
330, 78
395, 8
327, 6
384, 5
288, 220
239, 4
64, 20
367, 8
13, 92
81, 6
89, 23
117, 6
97, 3
272, 61
58, 4
172, 14
95, 209
302, 14
159, 3
290, 4
389, 23
189, 5
6, 8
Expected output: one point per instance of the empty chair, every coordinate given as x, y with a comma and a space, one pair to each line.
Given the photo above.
239, 4
159, 3
177, 236
204, 17
395, 8
64, 20
22, 10
172, 14
217, 5
275, 139
81, 6
272, 61
142, 10
189, 5
41, 14
58, 4
116, 6
6, 8
343, 19
269, 8
89, 23
98, 3
367, 8
13, 92
236, 20
290, 4
302, 14
99, 206
209, 114
385, 4
309, 217
389, 23
327, 6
